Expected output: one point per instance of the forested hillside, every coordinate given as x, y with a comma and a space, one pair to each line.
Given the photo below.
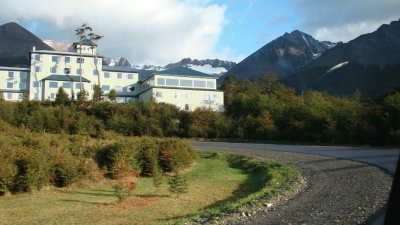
260, 110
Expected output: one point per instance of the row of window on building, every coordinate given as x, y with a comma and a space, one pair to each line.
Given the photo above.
65, 59
188, 95
187, 83
14, 75
80, 71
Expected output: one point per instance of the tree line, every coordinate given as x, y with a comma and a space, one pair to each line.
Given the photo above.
262, 110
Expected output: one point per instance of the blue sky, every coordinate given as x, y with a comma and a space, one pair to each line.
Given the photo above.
164, 31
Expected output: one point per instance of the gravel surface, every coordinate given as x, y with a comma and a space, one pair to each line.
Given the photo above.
337, 192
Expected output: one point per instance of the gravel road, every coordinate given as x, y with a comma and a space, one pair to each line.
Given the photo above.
338, 191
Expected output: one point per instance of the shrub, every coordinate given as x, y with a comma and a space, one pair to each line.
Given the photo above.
7, 172
175, 154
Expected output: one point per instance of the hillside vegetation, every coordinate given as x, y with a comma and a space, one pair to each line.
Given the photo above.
259, 110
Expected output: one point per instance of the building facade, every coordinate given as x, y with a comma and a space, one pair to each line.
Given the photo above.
50, 70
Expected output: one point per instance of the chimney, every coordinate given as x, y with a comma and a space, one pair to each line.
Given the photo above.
34, 48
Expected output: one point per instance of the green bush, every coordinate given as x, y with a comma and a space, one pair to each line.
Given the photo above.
175, 154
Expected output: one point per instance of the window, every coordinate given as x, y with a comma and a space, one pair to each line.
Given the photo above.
9, 95
52, 96
119, 75
78, 71
10, 85
67, 59
132, 89
22, 85
53, 84
105, 87
159, 94
77, 86
187, 107
78, 60
97, 61
106, 75
95, 73
54, 58
214, 96
199, 84
161, 81
36, 95
20, 96
210, 84
119, 89
186, 83
10, 74
23, 75
37, 69
130, 76
37, 58
67, 71
53, 69
172, 82
35, 84
66, 85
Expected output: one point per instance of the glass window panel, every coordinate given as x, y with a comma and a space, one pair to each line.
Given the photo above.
199, 84
172, 82
186, 83
210, 84
67, 85
161, 81
53, 84
10, 85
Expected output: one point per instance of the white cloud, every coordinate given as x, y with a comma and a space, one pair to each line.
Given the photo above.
156, 31
344, 20
346, 32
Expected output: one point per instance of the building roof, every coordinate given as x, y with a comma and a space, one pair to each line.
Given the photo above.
13, 68
64, 53
177, 71
65, 78
120, 69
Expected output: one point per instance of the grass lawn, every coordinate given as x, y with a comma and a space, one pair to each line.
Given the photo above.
212, 182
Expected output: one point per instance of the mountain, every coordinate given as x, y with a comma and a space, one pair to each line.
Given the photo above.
283, 56
15, 44
121, 62
370, 63
208, 66
59, 46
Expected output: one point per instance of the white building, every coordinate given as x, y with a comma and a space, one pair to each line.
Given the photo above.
49, 70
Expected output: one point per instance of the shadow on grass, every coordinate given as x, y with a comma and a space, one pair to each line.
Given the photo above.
96, 193
254, 182
87, 202
151, 195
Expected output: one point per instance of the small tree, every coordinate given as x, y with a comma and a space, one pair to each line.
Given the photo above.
82, 96
61, 97
177, 184
157, 178
112, 95
97, 93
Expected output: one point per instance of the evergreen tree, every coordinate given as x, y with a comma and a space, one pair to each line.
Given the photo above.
97, 93
157, 178
61, 97
177, 184
112, 95
82, 96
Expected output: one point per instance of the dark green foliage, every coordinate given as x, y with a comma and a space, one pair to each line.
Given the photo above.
112, 95
157, 178
61, 97
177, 184
97, 93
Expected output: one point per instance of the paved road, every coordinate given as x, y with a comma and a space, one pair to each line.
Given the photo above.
381, 157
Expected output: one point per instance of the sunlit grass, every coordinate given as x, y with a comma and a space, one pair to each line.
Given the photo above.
212, 184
